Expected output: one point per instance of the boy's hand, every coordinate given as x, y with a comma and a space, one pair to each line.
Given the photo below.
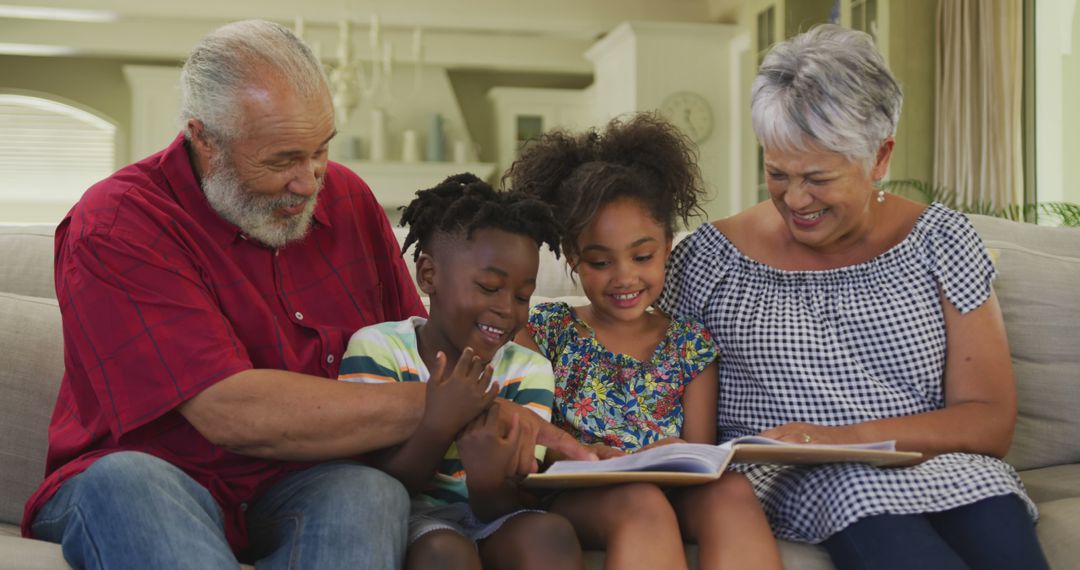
454, 399
488, 449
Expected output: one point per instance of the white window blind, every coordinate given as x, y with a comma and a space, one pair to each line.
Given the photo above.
51, 152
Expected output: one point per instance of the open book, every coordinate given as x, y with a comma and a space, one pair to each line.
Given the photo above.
679, 464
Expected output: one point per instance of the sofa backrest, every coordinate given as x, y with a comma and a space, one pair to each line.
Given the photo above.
31, 367
1039, 289
31, 361
1038, 286
26, 254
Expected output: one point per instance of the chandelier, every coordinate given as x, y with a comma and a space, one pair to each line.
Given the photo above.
354, 79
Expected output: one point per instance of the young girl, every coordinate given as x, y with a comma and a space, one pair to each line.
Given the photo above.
628, 377
476, 258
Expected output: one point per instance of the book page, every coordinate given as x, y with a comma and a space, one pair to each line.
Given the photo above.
680, 457
762, 450
889, 445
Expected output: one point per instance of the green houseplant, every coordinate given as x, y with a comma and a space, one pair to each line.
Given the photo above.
1064, 213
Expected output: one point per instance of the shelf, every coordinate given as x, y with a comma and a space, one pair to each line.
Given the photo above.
395, 183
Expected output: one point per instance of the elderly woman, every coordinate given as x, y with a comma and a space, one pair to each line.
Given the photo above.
844, 315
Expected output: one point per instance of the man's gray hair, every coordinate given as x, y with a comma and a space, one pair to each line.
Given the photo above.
826, 89
236, 56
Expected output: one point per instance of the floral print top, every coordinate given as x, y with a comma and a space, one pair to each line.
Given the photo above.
616, 399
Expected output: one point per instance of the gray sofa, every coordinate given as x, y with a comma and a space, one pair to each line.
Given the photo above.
1039, 288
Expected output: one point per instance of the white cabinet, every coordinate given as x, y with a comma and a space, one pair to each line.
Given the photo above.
523, 113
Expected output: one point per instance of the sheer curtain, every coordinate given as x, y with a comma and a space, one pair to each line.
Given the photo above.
978, 150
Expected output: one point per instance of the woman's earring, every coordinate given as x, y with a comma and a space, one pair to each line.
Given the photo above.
880, 196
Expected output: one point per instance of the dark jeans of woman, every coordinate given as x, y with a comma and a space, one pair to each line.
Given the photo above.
990, 534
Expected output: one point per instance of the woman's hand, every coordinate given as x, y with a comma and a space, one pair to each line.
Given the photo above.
801, 432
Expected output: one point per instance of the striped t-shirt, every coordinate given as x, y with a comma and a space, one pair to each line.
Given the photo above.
387, 352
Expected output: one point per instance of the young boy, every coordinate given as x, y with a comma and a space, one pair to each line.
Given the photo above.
476, 258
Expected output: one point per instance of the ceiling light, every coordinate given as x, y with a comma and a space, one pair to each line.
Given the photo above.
62, 14
32, 49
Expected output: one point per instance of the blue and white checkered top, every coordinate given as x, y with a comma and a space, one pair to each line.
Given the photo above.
836, 347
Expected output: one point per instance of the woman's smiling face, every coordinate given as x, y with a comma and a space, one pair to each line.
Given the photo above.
823, 197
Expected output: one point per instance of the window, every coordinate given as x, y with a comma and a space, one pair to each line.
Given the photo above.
1056, 137
864, 16
528, 128
50, 153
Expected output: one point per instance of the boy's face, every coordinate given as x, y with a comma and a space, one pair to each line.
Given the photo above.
480, 290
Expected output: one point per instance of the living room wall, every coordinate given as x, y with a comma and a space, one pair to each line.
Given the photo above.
1070, 89
96, 85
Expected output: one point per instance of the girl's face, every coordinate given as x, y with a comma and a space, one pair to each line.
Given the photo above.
824, 197
621, 260
480, 290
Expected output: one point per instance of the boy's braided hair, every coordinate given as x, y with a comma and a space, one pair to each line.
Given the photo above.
463, 203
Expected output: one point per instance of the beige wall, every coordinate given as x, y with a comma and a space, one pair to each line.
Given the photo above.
911, 59
1070, 115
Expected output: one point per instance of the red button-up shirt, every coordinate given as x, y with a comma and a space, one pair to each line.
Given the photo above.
161, 298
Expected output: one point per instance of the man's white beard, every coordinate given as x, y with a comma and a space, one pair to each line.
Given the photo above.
255, 214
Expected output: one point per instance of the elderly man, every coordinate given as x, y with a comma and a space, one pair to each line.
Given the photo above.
207, 293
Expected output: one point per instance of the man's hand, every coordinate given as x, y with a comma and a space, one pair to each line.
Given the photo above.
488, 450
537, 431
454, 399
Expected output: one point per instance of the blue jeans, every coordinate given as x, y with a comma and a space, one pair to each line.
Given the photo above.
994, 533
133, 510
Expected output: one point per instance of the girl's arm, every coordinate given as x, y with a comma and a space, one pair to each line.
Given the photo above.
980, 396
699, 407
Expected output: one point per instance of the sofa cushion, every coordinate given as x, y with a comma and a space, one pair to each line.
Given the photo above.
1040, 300
25, 554
27, 253
1052, 483
31, 367
1059, 531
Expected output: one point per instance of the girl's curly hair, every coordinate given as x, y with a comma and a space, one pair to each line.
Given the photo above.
463, 203
644, 158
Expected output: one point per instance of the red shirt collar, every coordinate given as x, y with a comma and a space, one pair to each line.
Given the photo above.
176, 162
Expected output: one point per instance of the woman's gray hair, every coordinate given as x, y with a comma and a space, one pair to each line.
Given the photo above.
236, 56
826, 89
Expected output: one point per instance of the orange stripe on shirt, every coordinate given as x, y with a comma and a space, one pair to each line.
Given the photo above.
541, 407
366, 376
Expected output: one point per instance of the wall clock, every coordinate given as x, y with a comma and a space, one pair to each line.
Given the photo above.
690, 112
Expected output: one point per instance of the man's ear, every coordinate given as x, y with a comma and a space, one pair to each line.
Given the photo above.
199, 140
201, 145
425, 274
